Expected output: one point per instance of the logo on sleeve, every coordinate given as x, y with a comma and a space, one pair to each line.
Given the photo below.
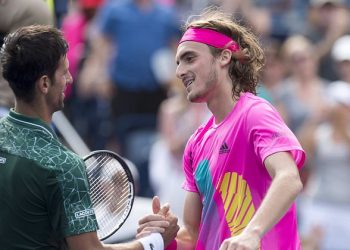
83, 213
151, 246
2, 160
224, 149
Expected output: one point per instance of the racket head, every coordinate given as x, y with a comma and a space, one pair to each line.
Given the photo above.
112, 190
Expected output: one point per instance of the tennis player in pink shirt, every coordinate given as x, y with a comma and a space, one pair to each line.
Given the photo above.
242, 166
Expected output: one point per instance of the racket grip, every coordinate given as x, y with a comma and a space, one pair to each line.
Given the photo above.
172, 245
152, 242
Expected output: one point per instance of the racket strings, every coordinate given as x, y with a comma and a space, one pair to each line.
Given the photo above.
121, 199
110, 221
111, 192
119, 179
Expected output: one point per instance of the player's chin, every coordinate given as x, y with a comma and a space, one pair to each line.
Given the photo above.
195, 98
60, 106
191, 97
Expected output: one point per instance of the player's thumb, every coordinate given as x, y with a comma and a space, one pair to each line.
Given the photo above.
155, 204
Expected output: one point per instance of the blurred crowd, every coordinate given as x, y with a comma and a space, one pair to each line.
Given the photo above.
125, 96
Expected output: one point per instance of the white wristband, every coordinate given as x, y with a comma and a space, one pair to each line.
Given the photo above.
152, 242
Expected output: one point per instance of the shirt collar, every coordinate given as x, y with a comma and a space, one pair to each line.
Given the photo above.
32, 122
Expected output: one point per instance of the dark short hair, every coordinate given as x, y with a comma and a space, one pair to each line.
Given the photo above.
29, 53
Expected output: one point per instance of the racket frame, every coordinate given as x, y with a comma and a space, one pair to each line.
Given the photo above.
130, 179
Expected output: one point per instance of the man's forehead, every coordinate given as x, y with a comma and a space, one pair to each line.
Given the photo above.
190, 46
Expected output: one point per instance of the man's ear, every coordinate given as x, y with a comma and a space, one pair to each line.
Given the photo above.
225, 57
44, 84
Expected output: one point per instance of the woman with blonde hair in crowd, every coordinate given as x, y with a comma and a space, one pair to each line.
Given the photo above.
302, 94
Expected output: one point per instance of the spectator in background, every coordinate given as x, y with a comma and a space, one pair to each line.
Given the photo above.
325, 204
341, 57
326, 200
60, 9
15, 14
273, 73
85, 104
76, 27
302, 94
131, 32
276, 19
328, 20
18, 13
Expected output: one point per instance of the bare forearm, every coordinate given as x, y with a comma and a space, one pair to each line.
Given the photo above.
187, 236
89, 241
135, 245
280, 196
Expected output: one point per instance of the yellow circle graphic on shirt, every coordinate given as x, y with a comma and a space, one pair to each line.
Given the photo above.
237, 200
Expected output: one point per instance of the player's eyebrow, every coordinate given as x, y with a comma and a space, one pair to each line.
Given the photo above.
183, 55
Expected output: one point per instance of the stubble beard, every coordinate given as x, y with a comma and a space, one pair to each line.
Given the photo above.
201, 95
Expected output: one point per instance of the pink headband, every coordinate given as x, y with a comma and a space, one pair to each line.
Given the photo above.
210, 37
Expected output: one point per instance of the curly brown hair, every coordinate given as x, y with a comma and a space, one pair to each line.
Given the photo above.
247, 64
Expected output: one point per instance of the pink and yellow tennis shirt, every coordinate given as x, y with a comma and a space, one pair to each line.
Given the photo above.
223, 163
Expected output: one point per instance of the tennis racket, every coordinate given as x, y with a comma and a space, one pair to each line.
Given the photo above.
111, 190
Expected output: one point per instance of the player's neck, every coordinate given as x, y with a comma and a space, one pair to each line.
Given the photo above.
220, 101
33, 110
221, 106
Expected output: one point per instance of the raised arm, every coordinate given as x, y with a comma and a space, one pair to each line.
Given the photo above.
285, 186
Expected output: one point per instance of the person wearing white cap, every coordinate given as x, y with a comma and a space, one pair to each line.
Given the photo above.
341, 57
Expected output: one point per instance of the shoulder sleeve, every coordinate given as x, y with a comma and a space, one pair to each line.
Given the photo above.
269, 134
69, 205
189, 183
